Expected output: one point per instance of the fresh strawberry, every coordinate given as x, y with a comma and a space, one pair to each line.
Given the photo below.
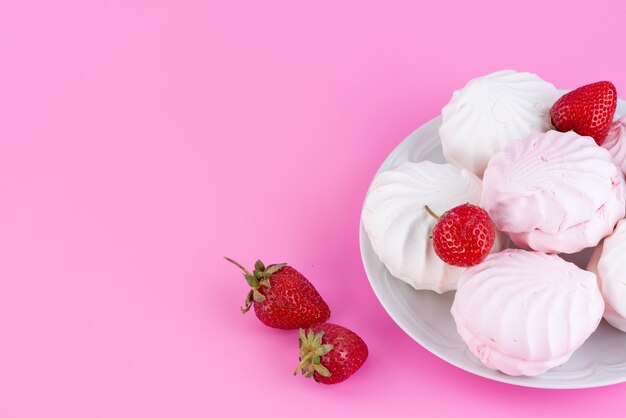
588, 110
330, 353
463, 236
282, 297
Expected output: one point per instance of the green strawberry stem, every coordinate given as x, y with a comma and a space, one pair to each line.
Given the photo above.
245, 270
311, 352
304, 361
248, 303
431, 213
260, 276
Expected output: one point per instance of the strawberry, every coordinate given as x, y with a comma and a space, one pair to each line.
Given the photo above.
330, 353
588, 110
463, 236
282, 297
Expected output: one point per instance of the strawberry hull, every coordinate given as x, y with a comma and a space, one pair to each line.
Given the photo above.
330, 353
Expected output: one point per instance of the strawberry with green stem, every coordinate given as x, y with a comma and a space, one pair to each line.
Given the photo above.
282, 297
330, 353
463, 236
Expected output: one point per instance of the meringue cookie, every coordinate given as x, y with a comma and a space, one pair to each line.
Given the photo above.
400, 229
554, 192
614, 143
490, 112
524, 313
609, 264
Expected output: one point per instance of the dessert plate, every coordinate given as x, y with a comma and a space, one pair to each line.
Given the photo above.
425, 315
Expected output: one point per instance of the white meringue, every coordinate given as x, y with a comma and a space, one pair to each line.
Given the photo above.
608, 262
400, 229
614, 143
524, 313
554, 192
490, 112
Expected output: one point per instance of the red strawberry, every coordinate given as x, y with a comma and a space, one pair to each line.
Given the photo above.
330, 353
588, 110
463, 236
282, 297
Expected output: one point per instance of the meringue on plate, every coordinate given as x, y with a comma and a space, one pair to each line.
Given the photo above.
524, 312
614, 142
490, 112
554, 192
400, 229
608, 262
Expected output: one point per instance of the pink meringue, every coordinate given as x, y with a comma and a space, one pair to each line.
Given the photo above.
609, 265
614, 142
524, 313
554, 192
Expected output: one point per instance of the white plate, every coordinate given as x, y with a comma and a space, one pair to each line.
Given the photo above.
425, 315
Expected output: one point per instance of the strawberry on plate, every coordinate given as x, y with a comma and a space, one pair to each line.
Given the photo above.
588, 110
282, 297
330, 353
464, 235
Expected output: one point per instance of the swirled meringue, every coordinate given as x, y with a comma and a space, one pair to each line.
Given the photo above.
608, 262
490, 112
524, 313
399, 228
614, 143
554, 192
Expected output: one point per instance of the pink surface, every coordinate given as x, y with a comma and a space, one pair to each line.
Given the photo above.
140, 141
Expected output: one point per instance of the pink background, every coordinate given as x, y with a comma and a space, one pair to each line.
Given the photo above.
140, 141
